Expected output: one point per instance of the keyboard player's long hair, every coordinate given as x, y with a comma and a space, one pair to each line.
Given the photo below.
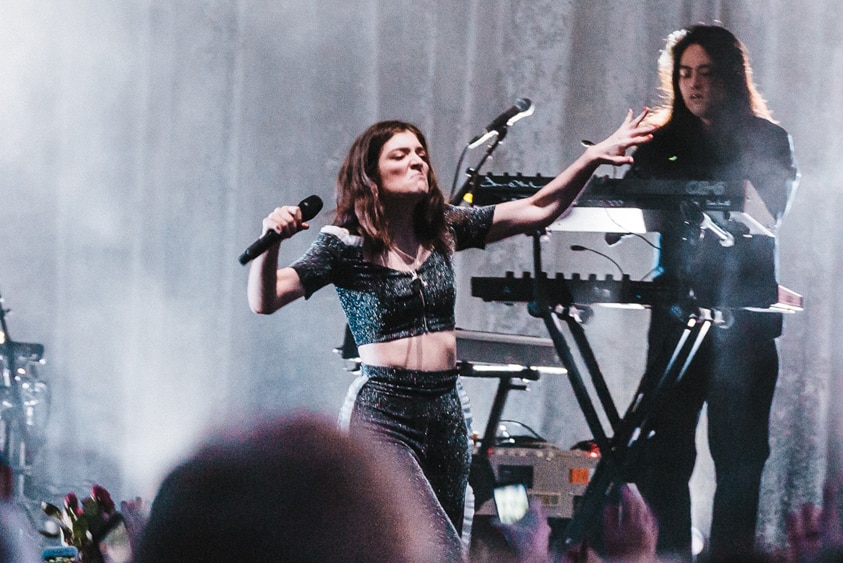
731, 63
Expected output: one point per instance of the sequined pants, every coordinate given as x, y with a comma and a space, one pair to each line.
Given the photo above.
418, 417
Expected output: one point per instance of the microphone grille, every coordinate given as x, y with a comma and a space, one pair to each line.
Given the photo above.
310, 206
523, 104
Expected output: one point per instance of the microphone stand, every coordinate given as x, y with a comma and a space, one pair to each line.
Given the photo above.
470, 184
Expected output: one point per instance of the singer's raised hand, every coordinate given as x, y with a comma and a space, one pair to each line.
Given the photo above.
547, 204
283, 223
612, 150
286, 221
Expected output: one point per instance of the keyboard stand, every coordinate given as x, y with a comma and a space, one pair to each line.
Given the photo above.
618, 451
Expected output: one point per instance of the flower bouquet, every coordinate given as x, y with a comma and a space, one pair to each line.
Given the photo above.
83, 525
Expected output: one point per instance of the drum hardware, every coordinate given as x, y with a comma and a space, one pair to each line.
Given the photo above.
24, 404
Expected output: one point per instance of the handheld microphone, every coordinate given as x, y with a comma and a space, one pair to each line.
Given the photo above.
522, 108
309, 206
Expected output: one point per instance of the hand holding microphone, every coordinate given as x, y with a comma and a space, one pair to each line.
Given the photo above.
282, 223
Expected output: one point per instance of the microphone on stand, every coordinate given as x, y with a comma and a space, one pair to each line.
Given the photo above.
696, 216
309, 206
726, 238
523, 107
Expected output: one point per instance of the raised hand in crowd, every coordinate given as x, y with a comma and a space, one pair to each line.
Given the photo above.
135, 514
529, 537
630, 530
814, 532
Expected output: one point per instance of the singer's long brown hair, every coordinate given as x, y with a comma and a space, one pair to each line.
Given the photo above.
359, 207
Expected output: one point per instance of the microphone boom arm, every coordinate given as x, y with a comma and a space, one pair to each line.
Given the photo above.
474, 173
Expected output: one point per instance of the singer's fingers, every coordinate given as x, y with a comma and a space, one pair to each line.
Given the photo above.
639, 138
619, 160
286, 221
286, 214
640, 117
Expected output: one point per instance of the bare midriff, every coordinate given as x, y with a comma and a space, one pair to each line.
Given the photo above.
431, 351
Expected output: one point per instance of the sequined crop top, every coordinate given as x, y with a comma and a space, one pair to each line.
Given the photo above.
383, 304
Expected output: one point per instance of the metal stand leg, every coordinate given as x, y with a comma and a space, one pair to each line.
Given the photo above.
618, 453
481, 475
625, 443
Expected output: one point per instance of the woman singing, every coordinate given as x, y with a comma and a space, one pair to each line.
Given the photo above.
389, 255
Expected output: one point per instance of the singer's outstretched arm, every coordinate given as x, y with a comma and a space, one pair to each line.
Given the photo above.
269, 288
545, 206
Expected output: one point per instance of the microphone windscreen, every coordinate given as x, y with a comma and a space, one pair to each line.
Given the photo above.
310, 206
523, 104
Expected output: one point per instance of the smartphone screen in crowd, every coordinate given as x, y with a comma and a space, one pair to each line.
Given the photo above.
114, 545
511, 502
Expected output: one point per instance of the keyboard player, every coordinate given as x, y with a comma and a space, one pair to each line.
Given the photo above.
715, 126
